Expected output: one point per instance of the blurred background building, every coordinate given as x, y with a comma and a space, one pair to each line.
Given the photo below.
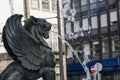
97, 26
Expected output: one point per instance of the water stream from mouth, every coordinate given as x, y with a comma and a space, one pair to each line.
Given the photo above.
86, 69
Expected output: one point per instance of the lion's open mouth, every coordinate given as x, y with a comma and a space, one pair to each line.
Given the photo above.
46, 34
46, 30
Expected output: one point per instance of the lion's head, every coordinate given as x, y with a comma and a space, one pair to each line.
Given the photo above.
38, 26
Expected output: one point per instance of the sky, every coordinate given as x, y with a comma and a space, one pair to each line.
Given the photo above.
5, 10
5, 13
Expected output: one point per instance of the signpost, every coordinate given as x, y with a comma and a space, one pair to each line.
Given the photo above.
93, 69
96, 69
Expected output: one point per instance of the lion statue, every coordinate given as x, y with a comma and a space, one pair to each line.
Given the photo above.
25, 43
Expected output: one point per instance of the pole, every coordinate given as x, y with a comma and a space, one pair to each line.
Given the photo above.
118, 18
11, 6
26, 9
60, 43
90, 28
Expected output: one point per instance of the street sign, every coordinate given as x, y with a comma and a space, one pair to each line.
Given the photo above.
93, 69
98, 67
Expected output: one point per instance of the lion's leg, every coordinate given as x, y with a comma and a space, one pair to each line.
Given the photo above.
48, 74
14, 76
12, 72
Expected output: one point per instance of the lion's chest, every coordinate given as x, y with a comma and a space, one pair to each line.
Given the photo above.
47, 58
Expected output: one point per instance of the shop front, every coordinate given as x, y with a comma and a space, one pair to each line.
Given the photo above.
110, 70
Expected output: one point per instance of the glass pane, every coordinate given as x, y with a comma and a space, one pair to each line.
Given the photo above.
105, 46
94, 22
68, 27
45, 5
83, 2
76, 3
113, 17
86, 49
92, 1
54, 5
35, 4
85, 24
76, 26
103, 20
54, 40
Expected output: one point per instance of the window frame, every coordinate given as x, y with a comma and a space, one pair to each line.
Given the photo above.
33, 6
102, 21
55, 6
44, 7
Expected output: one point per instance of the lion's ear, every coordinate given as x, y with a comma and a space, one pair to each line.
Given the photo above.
34, 20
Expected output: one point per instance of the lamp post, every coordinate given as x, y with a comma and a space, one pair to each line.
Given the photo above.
26, 9
11, 7
60, 43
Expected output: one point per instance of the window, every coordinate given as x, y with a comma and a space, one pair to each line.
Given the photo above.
76, 3
96, 48
68, 31
117, 44
108, 76
76, 26
94, 22
45, 5
68, 27
54, 5
86, 49
113, 17
54, 40
92, 1
85, 24
83, 2
105, 46
69, 53
34, 4
103, 20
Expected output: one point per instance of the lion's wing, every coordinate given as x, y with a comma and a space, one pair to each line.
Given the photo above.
24, 46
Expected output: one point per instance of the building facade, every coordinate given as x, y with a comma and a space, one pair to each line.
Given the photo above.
97, 26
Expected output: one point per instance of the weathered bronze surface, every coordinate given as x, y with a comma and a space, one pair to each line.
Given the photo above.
32, 56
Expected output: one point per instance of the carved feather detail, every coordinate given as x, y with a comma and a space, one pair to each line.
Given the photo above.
25, 46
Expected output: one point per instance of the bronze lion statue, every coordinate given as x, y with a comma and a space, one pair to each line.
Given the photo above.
32, 57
